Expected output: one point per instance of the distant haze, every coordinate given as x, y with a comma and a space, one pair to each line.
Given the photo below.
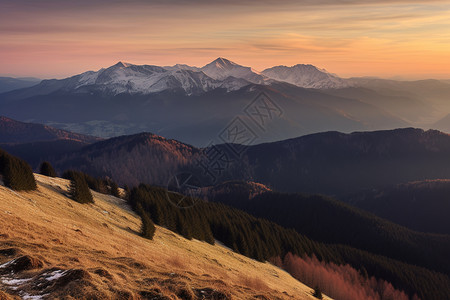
55, 39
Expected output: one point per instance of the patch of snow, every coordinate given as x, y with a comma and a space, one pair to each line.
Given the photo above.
87, 78
7, 264
14, 284
26, 296
15, 281
55, 275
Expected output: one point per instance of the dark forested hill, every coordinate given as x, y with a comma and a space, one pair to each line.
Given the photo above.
12, 131
133, 159
330, 163
336, 163
328, 220
262, 239
420, 205
37, 143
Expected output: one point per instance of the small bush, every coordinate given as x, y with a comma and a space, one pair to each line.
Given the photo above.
47, 169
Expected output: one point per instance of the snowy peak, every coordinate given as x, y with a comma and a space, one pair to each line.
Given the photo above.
306, 76
224, 64
221, 68
121, 64
147, 79
221, 73
182, 67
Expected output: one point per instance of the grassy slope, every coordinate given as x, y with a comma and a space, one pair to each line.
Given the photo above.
63, 234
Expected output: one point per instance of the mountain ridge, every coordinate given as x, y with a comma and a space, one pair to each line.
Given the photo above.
12, 131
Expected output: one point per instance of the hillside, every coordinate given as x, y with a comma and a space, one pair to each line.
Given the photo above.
420, 205
37, 143
316, 217
94, 251
133, 159
9, 83
12, 131
330, 163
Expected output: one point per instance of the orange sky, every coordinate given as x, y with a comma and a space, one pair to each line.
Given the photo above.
54, 38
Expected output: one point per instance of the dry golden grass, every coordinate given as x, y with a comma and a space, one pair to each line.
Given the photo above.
101, 241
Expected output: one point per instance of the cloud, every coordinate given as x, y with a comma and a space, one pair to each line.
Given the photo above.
342, 36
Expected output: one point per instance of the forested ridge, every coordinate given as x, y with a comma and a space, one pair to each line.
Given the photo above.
263, 240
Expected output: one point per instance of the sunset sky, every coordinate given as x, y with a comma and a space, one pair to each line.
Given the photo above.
55, 38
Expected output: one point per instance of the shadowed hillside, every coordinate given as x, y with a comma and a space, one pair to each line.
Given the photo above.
420, 205
330, 163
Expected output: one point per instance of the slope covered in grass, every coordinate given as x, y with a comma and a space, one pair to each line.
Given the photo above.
60, 248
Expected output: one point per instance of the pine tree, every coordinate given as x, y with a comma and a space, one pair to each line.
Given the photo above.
127, 191
317, 293
148, 227
17, 174
114, 189
79, 189
47, 169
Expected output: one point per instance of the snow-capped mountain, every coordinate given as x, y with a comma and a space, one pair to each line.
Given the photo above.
306, 76
222, 68
125, 78
147, 79
182, 67
194, 104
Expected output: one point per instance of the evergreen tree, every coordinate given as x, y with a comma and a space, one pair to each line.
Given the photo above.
127, 192
79, 189
148, 227
17, 174
114, 189
317, 293
47, 169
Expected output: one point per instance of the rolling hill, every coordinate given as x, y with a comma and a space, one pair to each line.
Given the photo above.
330, 163
9, 83
61, 249
15, 132
37, 142
254, 237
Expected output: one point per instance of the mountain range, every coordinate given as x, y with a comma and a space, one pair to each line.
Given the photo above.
327, 163
9, 83
15, 132
195, 105
330, 163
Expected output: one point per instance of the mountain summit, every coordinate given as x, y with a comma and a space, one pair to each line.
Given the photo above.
222, 68
307, 76
145, 79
